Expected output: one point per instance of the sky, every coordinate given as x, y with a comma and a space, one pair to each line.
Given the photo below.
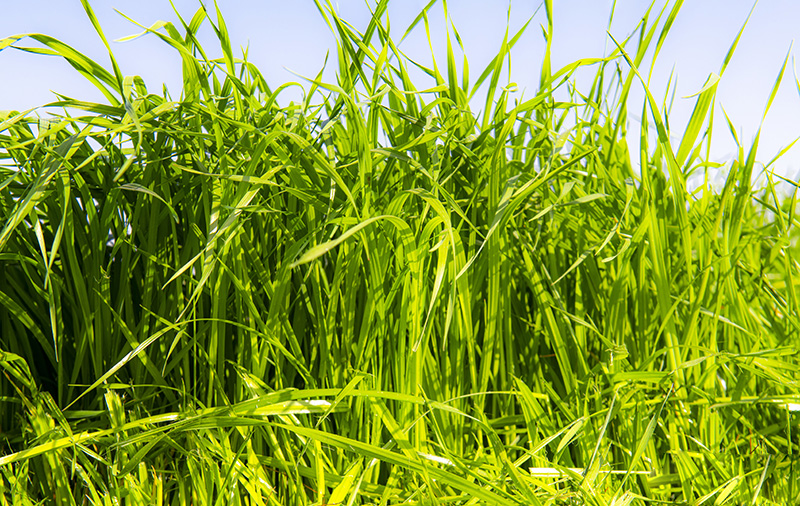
287, 39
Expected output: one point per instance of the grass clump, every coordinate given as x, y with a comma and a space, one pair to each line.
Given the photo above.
379, 296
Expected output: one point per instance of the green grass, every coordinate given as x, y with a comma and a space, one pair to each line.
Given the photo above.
380, 296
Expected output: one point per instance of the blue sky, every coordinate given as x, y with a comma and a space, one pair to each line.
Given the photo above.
290, 35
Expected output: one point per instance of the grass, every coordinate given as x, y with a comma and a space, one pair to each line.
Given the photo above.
379, 296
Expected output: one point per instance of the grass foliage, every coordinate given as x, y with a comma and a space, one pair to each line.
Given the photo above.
379, 296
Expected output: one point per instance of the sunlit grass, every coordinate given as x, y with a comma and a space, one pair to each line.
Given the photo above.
380, 296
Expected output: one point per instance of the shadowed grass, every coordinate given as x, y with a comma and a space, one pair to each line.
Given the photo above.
379, 296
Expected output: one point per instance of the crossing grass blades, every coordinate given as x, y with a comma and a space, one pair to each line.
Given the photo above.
378, 295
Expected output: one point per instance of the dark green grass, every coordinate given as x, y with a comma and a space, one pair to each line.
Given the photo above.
379, 296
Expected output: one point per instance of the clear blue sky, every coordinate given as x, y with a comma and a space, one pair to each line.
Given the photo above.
290, 34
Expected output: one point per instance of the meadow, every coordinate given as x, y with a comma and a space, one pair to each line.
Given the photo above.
378, 295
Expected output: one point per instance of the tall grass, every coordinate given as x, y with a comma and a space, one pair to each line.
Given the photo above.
379, 296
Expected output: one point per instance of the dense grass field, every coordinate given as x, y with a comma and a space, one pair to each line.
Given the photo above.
378, 295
